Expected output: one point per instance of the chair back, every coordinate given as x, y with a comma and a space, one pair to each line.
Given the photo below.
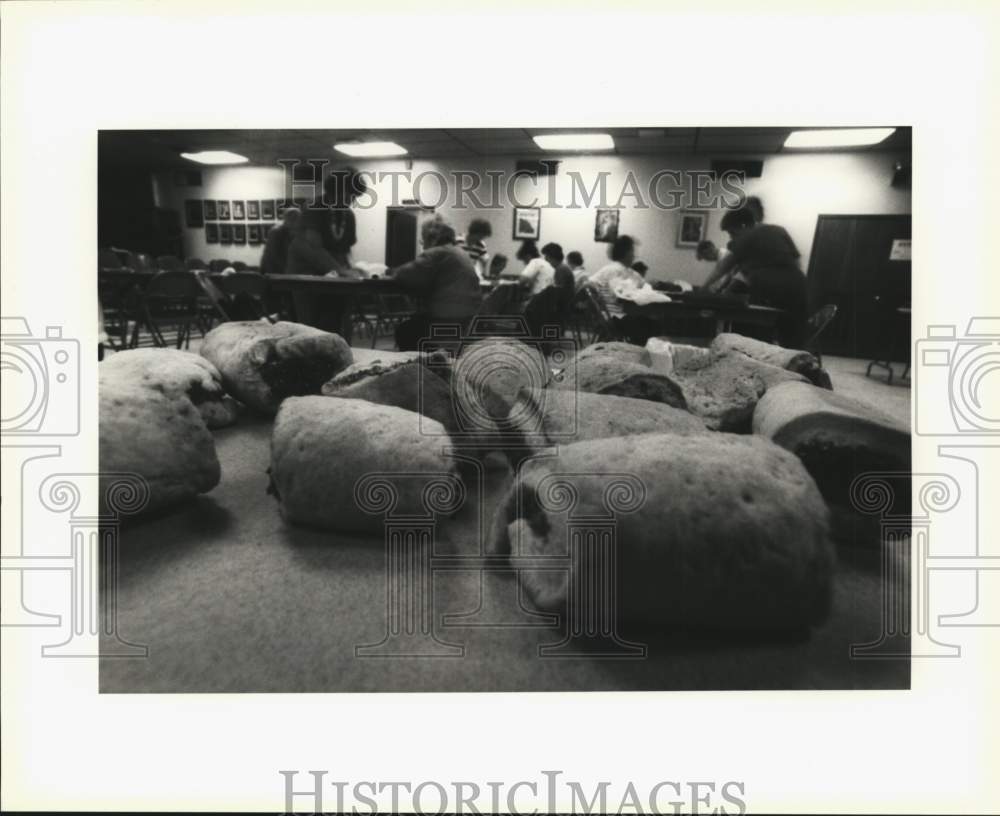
194, 263
144, 262
108, 259
599, 314
248, 283
218, 265
214, 294
169, 262
174, 284
239, 266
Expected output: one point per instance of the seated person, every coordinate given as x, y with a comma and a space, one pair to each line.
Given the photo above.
443, 279
498, 263
575, 261
538, 273
636, 328
769, 262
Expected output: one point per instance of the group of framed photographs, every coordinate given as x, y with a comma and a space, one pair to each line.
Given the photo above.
206, 213
237, 233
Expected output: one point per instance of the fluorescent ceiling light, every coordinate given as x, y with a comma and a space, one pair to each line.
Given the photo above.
845, 137
370, 150
575, 141
215, 157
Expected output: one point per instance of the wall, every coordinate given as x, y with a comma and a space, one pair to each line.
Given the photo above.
795, 189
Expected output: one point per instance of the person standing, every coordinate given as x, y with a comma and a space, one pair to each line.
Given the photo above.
328, 230
274, 259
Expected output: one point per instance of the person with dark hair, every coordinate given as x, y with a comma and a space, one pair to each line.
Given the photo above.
575, 261
474, 243
641, 268
274, 258
538, 273
756, 207
769, 262
707, 251
622, 254
328, 230
443, 280
553, 253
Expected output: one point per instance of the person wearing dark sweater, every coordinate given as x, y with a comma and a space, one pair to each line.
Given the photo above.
443, 279
274, 259
328, 230
769, 261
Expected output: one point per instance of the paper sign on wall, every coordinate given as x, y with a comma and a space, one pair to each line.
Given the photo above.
900, 250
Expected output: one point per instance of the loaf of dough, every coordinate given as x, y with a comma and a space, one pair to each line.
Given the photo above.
836, 437
175, 373
559, 417
712, 530
723, 388
262, 363
616, 375
156, 433
323, 447
795, 360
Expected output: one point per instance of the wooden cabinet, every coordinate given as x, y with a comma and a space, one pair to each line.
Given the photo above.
850, 266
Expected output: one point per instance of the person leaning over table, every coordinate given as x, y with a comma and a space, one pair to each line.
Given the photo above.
769, 261
443, 279
274, 259
328, 230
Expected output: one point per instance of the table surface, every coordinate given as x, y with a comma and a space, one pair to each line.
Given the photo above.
230, 598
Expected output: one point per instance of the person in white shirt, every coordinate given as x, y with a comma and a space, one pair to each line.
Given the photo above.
575, 261
474, 243
538, 274
622, 254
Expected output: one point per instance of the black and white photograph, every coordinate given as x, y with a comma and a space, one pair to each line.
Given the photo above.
193, 213
361, 492
651, 384
692, 228
606, 225
527, 223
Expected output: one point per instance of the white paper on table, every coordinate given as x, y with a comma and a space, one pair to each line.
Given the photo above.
640, 295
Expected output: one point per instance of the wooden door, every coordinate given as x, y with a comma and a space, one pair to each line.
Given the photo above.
400, 235
850, 266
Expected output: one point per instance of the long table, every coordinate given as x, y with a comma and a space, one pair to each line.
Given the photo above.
723, 315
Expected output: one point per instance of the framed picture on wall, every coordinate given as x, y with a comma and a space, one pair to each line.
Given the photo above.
267, 210
210, 210
239, 234
280, 206
253, 232
225, 234
265, 230
239, 213
211, 233
222, 208
692, 228
606, 225
527, 223
253, 211
194, 213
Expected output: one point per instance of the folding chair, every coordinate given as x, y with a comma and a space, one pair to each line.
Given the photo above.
247, 292
817, 325
218, 265
169, 262
170, 301
194, 263
602, 325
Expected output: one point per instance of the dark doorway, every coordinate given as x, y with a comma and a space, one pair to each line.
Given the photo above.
851, 265
401, 235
